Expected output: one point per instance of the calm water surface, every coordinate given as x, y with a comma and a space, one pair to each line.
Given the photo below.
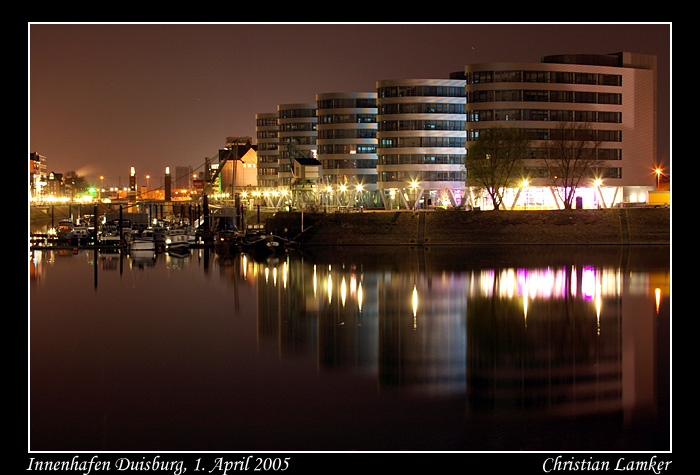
513, 348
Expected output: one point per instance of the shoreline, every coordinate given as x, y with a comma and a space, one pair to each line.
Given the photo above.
459, 228
623, 226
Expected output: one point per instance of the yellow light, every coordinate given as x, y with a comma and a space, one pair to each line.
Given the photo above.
415, 300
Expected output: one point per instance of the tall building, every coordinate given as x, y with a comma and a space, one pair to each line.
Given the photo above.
297, 134
421, 142
613, 96
267, 133
347, 147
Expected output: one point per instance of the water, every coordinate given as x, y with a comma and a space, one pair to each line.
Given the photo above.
502, 349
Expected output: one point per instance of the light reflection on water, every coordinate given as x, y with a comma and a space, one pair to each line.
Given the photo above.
518, 332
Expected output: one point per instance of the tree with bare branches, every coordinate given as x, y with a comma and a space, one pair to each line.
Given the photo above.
571, 158
494, 161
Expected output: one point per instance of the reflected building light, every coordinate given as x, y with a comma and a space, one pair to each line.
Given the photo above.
284, 275
414, 302
267, 274
486, 279
353, 284
525, 310
274, 276
657, 294
342, 291
315, 282
330, 287
588, 283
598, 305
245, 266
359, 297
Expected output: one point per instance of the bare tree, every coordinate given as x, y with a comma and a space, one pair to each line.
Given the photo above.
494, 161
571, 157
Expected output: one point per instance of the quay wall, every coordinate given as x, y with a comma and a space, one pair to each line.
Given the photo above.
458, 227
628, 226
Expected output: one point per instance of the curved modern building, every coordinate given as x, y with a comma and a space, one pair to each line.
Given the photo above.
347, 147
297, 128
421, 142
267, 133
614, 96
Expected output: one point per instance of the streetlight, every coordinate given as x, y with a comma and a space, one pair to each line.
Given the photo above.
658, 178
598, 183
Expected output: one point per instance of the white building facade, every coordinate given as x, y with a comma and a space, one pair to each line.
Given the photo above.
614, 95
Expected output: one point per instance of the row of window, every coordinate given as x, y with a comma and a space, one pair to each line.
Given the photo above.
300, 113
349, 164
421, 142
533, 95
421, 91
558, 77
347, 103
530, 172
332, 134
347, 119
336, 149
269, 174
552, 134
399, 125
422, 108
538, 153
298, 127
421, 159
597, 172
423, 176
544, 114
266, 121
532, 153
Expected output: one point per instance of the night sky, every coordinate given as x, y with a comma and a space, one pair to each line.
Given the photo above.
105, 97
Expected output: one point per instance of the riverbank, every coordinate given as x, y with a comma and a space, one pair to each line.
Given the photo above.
627, 226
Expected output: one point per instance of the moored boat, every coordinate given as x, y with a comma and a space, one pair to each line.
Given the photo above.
109, 235
177, 239
79, 236
64, 230
145, 241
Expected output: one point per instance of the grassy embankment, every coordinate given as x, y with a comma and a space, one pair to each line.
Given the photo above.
609, 226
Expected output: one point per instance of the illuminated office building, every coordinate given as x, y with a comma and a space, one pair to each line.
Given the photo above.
613, 96
347, 147
297, 135
267, 133
421, 142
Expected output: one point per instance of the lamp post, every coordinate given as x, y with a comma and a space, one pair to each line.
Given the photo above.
658, 178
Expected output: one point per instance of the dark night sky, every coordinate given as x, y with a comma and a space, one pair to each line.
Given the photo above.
105, 97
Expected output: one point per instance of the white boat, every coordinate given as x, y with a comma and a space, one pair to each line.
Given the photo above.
144, 241
109, 235
177, 239
80, 235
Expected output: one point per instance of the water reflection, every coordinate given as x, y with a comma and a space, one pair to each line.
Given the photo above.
518, 331
568, 337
